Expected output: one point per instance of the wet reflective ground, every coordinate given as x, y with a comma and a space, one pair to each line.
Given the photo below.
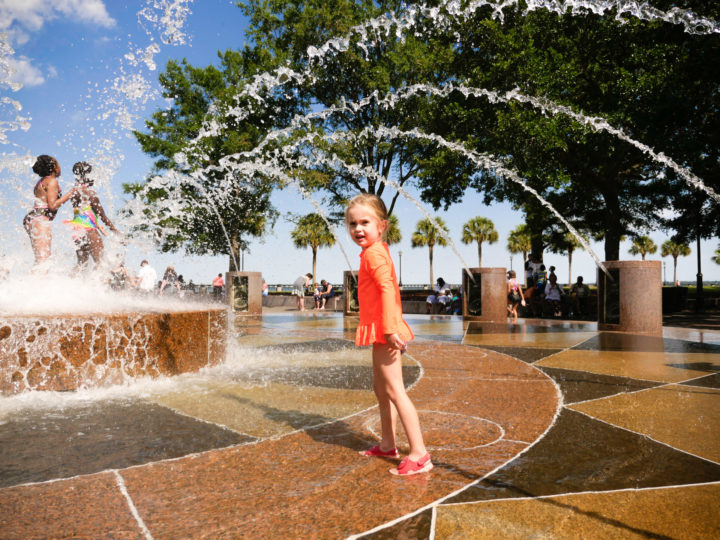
542, 428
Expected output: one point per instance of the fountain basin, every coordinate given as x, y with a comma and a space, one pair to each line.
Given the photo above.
71, 351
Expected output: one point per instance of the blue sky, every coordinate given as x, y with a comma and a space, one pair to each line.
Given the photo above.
71, 56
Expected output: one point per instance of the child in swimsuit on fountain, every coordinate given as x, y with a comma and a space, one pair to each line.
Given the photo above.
86, 211
382, 326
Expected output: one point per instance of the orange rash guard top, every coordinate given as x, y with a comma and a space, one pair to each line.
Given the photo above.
379, 298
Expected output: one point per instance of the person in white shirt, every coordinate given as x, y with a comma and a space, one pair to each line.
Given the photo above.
146, 278
553, 296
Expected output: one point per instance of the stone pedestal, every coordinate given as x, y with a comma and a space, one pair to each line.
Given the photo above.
485, 295
351, 307
630, 298
243, 292
65, 352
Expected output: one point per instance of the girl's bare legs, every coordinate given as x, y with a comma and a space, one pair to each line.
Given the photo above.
394, 401
96, 245
41, 239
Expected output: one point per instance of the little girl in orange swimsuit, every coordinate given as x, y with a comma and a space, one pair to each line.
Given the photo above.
382, 326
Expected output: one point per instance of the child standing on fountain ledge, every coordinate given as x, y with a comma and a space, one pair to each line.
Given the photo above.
382, 326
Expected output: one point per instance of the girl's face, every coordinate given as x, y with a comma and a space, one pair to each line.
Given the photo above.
364, 225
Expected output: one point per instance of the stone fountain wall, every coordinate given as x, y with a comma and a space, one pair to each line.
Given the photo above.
67, 352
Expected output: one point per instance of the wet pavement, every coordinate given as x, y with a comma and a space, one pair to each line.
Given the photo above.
538, 429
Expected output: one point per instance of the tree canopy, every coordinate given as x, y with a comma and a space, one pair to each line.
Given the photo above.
576, 107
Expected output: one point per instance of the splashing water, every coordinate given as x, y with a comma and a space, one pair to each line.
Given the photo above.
442, 18
113, 110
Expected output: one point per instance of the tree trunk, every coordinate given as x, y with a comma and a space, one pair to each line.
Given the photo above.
613, 228
479, 254
523, 268
234, 255
314, 252
642, 254
536, 242
430, 251
674, 269
570, 252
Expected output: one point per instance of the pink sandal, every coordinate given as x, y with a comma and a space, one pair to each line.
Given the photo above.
408, 467
375, 451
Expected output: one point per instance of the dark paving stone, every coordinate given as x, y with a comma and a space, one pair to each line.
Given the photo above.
582, 386
610, 341
416, 527
711, 381
581, 454
526, 354
43, 445
341, 377
475, 327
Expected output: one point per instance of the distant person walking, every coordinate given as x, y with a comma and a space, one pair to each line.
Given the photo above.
382, 326
146, 278
299, 287
514, 295
218, 285
580, 293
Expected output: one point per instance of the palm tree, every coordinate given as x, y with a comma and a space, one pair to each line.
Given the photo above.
716, 258
519, 242
676, 249
568, 243
313, 231
393, 234
479, 229
428, 235
643, 245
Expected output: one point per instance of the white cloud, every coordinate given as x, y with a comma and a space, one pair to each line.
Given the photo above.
24, 73
32, 14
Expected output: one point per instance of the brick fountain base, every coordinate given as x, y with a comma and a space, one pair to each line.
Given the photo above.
67, 352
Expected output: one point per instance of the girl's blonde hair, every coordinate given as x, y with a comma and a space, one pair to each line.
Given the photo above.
373, 202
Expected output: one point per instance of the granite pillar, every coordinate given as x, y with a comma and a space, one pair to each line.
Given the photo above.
485, 294
351, 307
630, 297
243, 292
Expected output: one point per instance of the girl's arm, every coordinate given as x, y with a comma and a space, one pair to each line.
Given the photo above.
100, 211
51, 193
380, 270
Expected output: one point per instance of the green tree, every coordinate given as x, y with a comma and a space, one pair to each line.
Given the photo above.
194, 204
675, 249
286, 29
426, 234
716, 258
519, 242
642, 245
652, 80
312, 231
479, 229
393, 234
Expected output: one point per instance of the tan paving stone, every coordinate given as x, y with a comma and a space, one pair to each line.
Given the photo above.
679, 512
651, 366
269, 410
684, 417
553, 340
